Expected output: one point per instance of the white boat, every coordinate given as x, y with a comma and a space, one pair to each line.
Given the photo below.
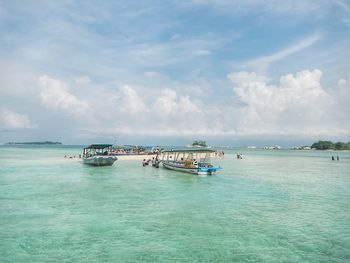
195, 161
98, 155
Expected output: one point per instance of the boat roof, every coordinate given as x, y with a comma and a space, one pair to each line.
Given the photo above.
98, 146
187, 150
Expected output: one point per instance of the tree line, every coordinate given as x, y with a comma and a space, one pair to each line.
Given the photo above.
328, 145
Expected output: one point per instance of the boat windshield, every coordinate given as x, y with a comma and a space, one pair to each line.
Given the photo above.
97, 150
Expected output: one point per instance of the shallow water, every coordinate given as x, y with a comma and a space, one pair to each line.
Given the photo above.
272, 206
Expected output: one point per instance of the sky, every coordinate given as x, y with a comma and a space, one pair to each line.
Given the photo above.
169, 72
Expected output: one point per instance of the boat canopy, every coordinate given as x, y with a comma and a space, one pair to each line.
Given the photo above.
98, 146
187, 150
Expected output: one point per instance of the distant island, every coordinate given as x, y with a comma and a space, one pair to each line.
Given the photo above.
328, 145
199, 144
34, 143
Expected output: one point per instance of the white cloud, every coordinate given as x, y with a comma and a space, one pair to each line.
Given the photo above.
342, 95
128, 100
178, 115
13, 120
172, 52
343, 91
55, 95
263, 63
190, 63
168, 104
244, 77
165, 115
297, 106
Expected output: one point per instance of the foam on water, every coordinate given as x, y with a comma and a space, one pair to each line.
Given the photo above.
272, 206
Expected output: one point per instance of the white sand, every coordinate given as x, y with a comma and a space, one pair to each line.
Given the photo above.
135, 157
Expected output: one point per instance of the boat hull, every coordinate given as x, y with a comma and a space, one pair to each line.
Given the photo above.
100, 160
192, 170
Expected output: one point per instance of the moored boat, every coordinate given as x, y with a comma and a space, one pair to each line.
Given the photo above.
98, 155
195, 161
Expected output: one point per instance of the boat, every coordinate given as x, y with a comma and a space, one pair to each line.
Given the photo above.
98, 155
194, 161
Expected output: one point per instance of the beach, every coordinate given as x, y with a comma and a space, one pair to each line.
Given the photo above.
270, 206
135, 157
121, 158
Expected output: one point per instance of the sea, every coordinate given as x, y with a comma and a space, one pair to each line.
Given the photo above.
270, 206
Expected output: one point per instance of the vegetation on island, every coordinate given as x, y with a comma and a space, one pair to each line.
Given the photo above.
34, 143
199, 144
328, 145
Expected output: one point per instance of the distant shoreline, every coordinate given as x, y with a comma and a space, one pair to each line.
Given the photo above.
34, 143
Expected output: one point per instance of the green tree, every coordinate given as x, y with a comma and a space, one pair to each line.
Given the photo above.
340, 146
200, 143
328, 145
323, 145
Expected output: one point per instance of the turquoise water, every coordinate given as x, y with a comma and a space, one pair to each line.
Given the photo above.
272, 206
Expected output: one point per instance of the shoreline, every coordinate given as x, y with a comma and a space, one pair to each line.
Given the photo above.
135, 157
121, 157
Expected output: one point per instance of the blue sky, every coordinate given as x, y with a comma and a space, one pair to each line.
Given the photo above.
230, 72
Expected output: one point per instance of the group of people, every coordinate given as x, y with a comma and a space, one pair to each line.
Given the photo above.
73, 157
334, 158
219, 154
154, 162
239, 156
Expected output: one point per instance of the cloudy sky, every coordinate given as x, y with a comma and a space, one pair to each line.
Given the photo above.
229, 72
